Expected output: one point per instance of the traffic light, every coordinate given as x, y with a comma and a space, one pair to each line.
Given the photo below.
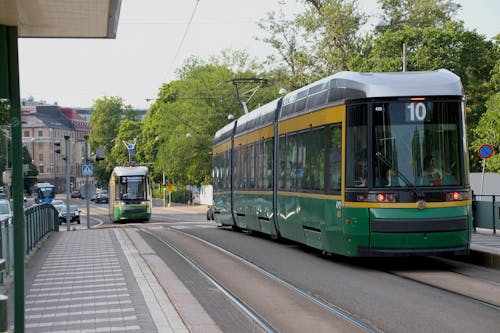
99, 154
57, 147
60, 148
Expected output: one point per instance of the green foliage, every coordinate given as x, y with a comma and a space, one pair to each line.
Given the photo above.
179, 127
332, 26
488, 132
129, 130
417, 13
294, 69
176, 136
106, 115
30, 178
4, 111
433, 44
488, 128
4, 144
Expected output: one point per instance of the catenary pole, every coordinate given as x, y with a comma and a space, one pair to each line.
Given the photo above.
87, 197
68, 156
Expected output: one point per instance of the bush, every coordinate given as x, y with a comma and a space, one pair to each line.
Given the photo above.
179, 196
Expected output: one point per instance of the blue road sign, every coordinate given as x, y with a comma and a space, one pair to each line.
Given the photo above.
87, 170
485, 151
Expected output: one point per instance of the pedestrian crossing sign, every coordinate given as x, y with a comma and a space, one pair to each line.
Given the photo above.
87, 170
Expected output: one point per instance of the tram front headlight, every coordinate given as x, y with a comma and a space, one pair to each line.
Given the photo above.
457, 196
386, 197
378, 197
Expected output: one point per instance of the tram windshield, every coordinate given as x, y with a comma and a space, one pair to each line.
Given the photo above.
419, 141
132, 188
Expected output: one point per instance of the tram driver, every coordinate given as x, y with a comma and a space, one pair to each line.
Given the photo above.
431, 174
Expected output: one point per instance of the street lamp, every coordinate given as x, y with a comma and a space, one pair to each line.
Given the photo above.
382, 24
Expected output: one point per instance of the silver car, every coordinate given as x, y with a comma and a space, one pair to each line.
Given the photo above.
74, 214
5, 210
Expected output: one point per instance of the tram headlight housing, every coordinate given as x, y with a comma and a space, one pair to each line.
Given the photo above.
457, 196
378, 197
385, 197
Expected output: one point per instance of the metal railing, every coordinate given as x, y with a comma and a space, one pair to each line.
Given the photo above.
40, 220
486, 211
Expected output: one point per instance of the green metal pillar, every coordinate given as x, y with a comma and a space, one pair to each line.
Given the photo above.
9, 73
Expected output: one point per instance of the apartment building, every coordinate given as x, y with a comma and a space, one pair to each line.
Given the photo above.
43, 126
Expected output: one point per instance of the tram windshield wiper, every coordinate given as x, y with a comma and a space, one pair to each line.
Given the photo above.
419, 194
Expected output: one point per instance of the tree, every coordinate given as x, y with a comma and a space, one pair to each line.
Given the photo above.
433, 44
417, 13
106, 114
4, 151
488, 128
179, 127
332, 27
129, 131
4, 111
31, 176
284, 37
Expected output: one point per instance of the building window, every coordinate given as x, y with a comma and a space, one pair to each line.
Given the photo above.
40, 157
26, 134
40, 133
40, 168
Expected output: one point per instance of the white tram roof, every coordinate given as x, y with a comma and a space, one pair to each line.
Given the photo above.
130, 171
348, 85
440, 82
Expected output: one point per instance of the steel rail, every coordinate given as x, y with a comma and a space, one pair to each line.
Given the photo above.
324, 304
456, 293
233, 298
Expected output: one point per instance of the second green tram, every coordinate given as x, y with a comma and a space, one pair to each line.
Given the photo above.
130, 195
358, 164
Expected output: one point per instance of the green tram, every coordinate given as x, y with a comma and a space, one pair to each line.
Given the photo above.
130, 194
358, 164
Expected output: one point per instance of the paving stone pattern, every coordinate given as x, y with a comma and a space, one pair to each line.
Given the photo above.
86, 285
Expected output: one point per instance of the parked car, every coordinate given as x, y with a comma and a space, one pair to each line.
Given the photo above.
57, 203
5, 210
101, 198
74, 213
76, 194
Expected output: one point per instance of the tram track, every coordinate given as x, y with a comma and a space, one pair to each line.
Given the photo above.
266, 321
483, 292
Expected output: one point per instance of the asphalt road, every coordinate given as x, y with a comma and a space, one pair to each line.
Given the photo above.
367, 289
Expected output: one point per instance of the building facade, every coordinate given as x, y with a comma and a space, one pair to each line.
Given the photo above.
43, 127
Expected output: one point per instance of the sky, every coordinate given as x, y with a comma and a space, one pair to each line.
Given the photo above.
152, 43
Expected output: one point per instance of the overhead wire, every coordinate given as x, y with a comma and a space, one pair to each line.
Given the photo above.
183, 38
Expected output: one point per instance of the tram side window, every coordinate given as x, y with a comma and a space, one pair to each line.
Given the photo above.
291, 161
243, 167
315, 160
300, 162
258, 164
268, 164
227, 170
335, 158
220, 171
237, 168
251, 168
357, 144
215, 173
264, 164
282, 162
